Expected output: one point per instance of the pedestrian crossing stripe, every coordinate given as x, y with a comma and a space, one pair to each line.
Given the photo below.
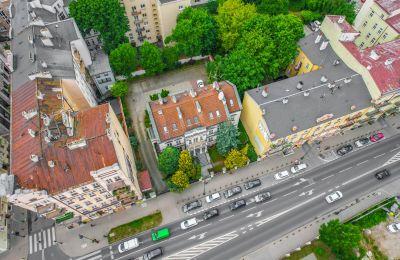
42, 240
394, 159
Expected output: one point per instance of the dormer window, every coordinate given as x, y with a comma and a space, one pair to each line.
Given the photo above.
174, 127
218, 113
188, 122
165, 129
210, 115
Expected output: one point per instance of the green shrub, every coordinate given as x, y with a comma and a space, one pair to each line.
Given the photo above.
372, 219
319, 251
309, 16
164, 93
147, 122
154, 97
139, 165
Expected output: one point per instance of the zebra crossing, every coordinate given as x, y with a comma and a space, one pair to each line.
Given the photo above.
42, 239
394, 159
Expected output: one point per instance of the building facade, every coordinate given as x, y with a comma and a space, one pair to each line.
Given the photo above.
4, 19
5, 79
189, 119
378, 22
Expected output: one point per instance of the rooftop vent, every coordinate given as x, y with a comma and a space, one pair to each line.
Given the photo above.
34, 158
77, 144
265, 91
221, 97
47, 139
369, 67
373, 55
108, 118
341, 19
160, 112
389, 61
46, 119
173, 98
324, 79
31, 132
51, 164
318, 39
347, 80
285, 100
179, 112
300, 85
294, 128
323, 45
45, 32
216, 85
198, 107
39, 95
336, 62
28, 115
33, 14
193, 93
353, 107
306, 93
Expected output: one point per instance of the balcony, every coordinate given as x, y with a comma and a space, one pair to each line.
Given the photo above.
136, 12
138, 21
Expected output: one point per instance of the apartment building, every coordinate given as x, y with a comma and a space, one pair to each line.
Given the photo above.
154, 20
5, 78
189, 119
378, 22
69, 162
4, 19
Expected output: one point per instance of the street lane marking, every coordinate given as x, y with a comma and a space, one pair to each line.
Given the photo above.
327, 177
309, 185
356, 178
45, 239
248, 209
222, 219
256, 214
30, 245
287, 194
39, 241
395, 149
96, 257
382, 154
345, 169
362, 162
394, 158
50, 240
89, 255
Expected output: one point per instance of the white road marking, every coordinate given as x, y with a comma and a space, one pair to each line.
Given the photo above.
309, 185
330, 190
256, 214
395, 149
34, 243
53, 231
327, 177
287, 194
337, 187
308, 193
345, 169
199, 237
45, 239
382, 154
30, 245
362, 162
39, 241
49, 235
222, 219
394, 158
96, 257
89, 255
248, 209
356, 178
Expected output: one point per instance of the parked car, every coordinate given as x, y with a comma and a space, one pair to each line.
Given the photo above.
200, 83
237, 204
232, 192
189, 223
153, 253
160, 234
376, 137
344, 149
210, 214
394, 227
337, 195
191, 206
127, 245
252, 184
382, 174
298, 168
281, 175
213, 197
361, 142
262, 197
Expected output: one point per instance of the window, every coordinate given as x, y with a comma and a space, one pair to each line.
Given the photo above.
98, 199
147, 31
210, 115
373, 40
307, 65
382, 16
144, 15
180, 7
365, 23
372, 13
188, 122
174, 128
362, 44
109, 180
117, 178
218, 114
384, 36
210, 139
380, 30
178, 142
368, 35
211, 131
196, 120
146, 23
165, 129
142, 6
374, 27
136, 17
88, 203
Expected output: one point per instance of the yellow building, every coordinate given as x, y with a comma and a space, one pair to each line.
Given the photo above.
302, 64
378, 22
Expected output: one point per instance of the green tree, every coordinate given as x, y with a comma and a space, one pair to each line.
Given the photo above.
164, 93
104, 16
232, 15
215, 69
120, 89
123, 59
273, 7
179, 181
134, 142
195, 32
337, 7
150, 58
236, 159
168, 161
186, 165
309, 16
341, 238
170, 57
227, 137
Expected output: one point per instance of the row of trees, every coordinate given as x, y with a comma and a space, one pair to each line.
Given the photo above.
178, 169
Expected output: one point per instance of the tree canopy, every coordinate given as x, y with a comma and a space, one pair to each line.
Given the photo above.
232, 15
273, 7
123, 59
179, 181
236, 158
170, 57
227, 137
337, 7
104, 16
150, 58
168, 161
186, 165
120, 89
195, 32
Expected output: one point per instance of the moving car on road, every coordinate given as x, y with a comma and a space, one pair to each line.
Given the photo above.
262, 197
213, 197
189, 223
344, 149
153, 253
394, 227
232, 192
298, 168
210, 214
361, 142
382, 174
237, 204
252, 184
160, 234
376, 137
281, 175
127, 245
191, 206
337, 195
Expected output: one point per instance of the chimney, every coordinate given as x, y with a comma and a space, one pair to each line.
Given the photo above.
285, 100
318, 39
300, 85
28, 115
221, 97
198, 107
179, 112
324, 79
173, 97
34, 158
31, 132
193, 93
160, 112
341, 19
323, 45
265, 91
388, 61
51, 164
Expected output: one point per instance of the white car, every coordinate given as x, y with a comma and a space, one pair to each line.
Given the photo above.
200, 83
127, 245
337, 195
213, 197
189, 223
298, 168
281, 175
394, 227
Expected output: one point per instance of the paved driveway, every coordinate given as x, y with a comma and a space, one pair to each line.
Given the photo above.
137, 100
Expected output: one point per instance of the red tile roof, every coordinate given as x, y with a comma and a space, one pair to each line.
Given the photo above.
389, 6
344, 26
385, 75
144, 181
394, 22
207, 97
72, 167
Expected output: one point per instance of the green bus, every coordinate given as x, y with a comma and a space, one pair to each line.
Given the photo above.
160, 234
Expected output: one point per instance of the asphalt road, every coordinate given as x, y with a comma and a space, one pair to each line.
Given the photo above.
295, 202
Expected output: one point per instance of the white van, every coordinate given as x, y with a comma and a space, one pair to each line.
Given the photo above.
127, 245
298, 168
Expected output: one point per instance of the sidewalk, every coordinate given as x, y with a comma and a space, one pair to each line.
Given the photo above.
170, 203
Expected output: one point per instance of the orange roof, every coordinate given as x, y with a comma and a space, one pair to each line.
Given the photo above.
72, 167
166, 116
144, 181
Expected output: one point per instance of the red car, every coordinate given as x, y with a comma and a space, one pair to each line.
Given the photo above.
376, 137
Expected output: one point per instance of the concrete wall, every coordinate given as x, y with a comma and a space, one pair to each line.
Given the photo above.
168, 12
73, 94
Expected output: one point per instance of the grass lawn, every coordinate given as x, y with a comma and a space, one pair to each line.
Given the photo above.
214, 155
134, 227
243, 140
320, 250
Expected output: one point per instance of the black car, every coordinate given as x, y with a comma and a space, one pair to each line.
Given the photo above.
345, 149
237, 205
191, 206
210, 214
153, 253
382, 174
232, 191
252, 184
262, 197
